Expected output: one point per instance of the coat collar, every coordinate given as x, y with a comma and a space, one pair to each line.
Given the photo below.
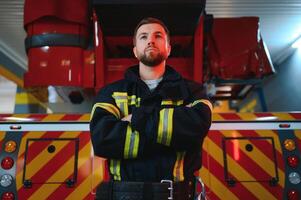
132, 74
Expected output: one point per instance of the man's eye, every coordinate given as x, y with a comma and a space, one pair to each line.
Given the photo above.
158, 36
143, 37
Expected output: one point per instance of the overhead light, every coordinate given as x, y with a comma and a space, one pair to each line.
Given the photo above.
297, 43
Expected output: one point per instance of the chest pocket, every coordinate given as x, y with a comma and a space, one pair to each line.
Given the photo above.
124, 102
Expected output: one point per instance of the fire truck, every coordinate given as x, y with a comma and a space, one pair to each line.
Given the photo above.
245, 156
87, 44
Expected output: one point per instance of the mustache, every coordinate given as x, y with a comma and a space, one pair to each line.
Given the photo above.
150, 47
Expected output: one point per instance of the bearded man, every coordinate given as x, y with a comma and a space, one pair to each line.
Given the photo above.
150, 125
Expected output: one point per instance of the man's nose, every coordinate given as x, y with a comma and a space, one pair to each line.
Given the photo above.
151, 40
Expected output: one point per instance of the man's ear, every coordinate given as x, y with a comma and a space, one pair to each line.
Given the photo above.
135, 51
169, 49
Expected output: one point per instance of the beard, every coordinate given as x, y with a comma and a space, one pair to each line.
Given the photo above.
151, 59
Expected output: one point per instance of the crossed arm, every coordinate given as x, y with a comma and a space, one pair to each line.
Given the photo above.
144, 132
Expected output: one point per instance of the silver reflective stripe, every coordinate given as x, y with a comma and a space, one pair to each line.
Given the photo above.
165, 126
121, 97
132, 142
84, 126
44, 126
122, 107
255, 125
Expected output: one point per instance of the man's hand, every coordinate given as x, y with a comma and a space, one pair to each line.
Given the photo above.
127, 118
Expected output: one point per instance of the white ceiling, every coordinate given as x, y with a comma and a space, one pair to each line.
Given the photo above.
280, 22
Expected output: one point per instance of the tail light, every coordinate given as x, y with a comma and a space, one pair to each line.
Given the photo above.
10, 146
8, 196
293, 195
7, 163
289, 144
293, 161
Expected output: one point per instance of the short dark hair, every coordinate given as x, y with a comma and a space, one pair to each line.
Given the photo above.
150, 20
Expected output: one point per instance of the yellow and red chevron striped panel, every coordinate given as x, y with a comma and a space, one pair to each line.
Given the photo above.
44, 118
248, 159
256, 116
248, 167
49, 159
48, 171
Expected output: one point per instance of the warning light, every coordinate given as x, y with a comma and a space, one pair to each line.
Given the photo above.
293, 161
294, 178
293, 195
284, 125
8, 196
289, 144
7, 163
10, 146
6, 180
15, 127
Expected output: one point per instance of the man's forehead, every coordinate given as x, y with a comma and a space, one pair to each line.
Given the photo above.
150, 28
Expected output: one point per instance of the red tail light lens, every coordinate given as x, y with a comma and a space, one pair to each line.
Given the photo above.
8, 196
293, 161
7, 163
293, 195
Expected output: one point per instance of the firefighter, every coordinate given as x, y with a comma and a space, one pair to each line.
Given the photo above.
150, 125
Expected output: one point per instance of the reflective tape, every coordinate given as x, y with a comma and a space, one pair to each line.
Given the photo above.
108, 107
131, 143
178, 171
115, 169
123, 100
204, 101
165, 126
172, 102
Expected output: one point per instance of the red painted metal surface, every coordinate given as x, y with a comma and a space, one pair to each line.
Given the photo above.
55, 66
67, 10
99, 54
236, 50
53, 62
198, 53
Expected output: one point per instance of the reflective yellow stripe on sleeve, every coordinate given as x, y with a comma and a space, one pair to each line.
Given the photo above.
172, 102
131, 143
178, 170
204, 101
165, 126
123, 101
108, 107
115, 169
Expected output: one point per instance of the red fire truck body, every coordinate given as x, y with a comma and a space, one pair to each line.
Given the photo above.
88, 44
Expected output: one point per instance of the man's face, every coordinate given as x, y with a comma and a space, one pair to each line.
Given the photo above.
152, 45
